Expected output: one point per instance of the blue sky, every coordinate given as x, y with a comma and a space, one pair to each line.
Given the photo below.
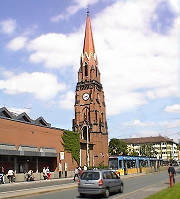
137, 44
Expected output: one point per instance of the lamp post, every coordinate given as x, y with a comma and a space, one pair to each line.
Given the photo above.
87, 145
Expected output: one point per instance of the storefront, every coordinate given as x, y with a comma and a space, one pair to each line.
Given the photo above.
25, 158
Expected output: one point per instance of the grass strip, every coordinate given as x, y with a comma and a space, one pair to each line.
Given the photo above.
169, 193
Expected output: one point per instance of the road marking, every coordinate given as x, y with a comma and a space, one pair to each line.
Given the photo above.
149, 186
127, 194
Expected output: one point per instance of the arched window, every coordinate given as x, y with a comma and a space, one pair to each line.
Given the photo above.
96, 71
102, 117
84, 133
86, 69
96, 115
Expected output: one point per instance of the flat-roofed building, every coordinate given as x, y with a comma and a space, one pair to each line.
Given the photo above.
165, 147
31, 144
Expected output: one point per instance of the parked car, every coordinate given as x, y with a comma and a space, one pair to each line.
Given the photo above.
99, 182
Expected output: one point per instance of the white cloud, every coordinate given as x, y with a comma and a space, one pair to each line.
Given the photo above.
67, 100
17, 43
8, 26
18, 111
148, 128
55, 50
173, 108
145, 133
139, 123
158, 125
137, 65
135, 59
43, 86
175, 4
74, 8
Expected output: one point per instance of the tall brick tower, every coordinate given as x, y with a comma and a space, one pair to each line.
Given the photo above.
90, 113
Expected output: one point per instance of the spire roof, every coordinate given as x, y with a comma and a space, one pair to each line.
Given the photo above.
88, 39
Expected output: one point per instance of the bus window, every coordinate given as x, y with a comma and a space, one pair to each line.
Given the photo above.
120, 164
113, 163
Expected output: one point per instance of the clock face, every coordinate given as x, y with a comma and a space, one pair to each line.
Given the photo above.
85, 96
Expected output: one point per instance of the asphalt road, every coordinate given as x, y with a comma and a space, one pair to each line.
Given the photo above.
134, 188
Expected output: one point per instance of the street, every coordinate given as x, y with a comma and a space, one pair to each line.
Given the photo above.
135, 187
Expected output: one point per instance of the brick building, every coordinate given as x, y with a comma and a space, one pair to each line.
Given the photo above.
90, 109
32, 144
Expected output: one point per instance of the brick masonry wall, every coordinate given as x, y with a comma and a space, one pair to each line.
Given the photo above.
18, 133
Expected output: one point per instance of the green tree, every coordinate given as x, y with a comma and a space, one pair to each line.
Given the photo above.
117, 147
133, 153
178, 146
147, 150
72, 144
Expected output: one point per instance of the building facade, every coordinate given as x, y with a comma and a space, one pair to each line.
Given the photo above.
165, 148
31, 144
90, 109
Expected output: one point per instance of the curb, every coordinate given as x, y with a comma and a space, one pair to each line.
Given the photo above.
38, 182
33, 191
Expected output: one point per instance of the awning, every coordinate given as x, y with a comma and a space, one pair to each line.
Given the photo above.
48, 152
8, 149
29, 151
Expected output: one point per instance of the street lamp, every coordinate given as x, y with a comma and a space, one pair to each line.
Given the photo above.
87, 145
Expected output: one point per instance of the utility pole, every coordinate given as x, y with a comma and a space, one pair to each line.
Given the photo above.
87, 146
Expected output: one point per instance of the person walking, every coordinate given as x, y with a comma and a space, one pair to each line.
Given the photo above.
2, 175
76, 173
29, 175
10, 175
48, 173
171, 172
85, 168
44, 174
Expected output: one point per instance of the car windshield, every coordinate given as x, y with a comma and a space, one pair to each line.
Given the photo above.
90, 176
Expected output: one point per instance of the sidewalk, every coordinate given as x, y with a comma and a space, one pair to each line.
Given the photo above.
44, 189
63, 184
36, 182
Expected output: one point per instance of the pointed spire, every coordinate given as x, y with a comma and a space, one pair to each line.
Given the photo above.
88, 39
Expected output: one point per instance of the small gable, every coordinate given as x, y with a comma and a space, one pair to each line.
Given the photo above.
41, 121
5, 113
24, 117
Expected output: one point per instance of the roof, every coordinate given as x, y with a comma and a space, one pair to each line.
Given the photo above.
23, 117
88, 39
143, 140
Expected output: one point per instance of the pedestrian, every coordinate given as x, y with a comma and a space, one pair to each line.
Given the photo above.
48, 173
171, 172
10, 175
76, 173
44, 173
85, 168
80, 171
2, 175
30, 176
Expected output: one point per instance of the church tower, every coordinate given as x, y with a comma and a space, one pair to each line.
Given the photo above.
90, 109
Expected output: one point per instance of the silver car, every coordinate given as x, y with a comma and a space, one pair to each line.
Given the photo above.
99, 182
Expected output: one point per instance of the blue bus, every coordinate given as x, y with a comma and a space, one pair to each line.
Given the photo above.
133, 164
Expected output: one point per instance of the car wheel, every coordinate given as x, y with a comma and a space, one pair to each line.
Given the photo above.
121, 188
106, 193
